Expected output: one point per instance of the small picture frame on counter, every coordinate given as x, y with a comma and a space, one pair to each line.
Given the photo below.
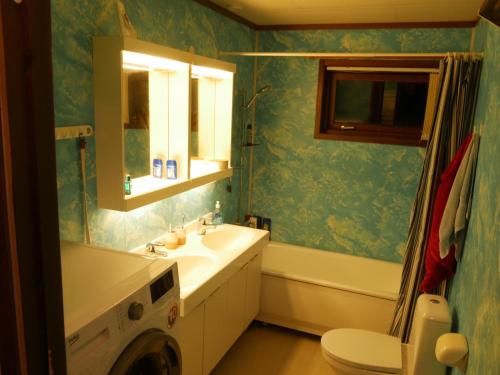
266, 225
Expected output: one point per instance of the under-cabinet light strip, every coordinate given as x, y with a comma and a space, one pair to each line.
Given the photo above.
135, 67
136, 59
203, 71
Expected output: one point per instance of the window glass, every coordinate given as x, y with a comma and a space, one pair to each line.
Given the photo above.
366, 105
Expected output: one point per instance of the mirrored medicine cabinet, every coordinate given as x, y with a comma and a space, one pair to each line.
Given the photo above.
211, 111
163, 121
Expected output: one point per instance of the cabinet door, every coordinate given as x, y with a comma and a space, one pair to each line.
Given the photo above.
236, 296
215, 332
225, 319
252, 302
189, 334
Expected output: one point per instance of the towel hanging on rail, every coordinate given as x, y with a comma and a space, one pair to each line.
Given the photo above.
457, 210
436, 268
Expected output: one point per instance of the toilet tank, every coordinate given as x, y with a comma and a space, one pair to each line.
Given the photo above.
431, 319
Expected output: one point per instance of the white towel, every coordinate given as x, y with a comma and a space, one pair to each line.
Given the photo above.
456, 212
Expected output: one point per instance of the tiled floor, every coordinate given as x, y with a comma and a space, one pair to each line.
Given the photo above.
271, 350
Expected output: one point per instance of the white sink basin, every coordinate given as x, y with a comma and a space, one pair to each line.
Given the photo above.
228, 239
193, 268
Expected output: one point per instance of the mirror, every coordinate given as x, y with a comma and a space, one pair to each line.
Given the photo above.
154, 109
194, 117
211, 107
136, 122
203, 121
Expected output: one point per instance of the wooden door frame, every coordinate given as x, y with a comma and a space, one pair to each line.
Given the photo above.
31, 318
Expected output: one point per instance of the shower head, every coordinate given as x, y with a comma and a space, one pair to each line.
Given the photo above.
262, 90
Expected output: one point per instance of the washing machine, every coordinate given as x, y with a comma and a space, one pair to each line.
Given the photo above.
120, 310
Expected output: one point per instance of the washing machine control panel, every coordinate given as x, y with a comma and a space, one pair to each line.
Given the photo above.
162, 285
135, 311
131, 311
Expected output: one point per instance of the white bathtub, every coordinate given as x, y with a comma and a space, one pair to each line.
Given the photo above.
314, 291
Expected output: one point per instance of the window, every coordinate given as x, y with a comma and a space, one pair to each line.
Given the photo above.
376, 101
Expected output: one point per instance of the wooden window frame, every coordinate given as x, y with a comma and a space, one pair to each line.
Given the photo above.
327, 128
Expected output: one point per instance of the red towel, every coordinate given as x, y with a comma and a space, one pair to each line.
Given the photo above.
437, 269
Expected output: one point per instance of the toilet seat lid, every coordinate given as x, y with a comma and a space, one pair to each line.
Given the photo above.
363, 349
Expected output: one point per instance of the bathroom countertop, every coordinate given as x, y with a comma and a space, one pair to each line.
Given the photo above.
205, 262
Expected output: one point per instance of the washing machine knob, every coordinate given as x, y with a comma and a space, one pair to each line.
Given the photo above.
135, 311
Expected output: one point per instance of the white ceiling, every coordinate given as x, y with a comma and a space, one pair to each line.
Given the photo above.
291, 12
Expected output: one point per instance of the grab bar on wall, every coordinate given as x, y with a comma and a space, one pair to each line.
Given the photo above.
74, 131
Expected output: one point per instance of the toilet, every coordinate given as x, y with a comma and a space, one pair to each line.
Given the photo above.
352, 351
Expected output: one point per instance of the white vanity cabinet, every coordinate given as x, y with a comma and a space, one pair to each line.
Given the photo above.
229, 311
236, 298
252, 296
216, 308
189, 334
215, 338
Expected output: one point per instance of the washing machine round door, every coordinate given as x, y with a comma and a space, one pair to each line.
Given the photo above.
151, 353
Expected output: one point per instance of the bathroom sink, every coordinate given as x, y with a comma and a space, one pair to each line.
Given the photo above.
193, 269
227, 240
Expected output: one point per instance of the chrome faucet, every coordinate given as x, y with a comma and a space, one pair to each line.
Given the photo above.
150, 246
201, 230
203, 225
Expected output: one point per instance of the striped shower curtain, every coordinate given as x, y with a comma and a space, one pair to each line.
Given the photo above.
453, 120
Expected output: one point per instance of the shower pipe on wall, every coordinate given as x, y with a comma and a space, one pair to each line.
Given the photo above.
244, 107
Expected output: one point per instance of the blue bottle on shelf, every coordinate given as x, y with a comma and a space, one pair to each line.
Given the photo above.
157, 168
171, 169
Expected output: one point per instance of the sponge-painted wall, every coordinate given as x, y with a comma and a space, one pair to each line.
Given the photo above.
341, 196
175, 23
475, 290
349, 197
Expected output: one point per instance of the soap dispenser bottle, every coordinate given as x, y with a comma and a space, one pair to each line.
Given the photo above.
217, 217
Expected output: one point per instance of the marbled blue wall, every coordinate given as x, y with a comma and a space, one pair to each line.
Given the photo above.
176, 23
341, 196
137, 152
348, 197
475, 290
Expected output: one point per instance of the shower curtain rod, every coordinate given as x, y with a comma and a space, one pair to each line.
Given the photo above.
348, 55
